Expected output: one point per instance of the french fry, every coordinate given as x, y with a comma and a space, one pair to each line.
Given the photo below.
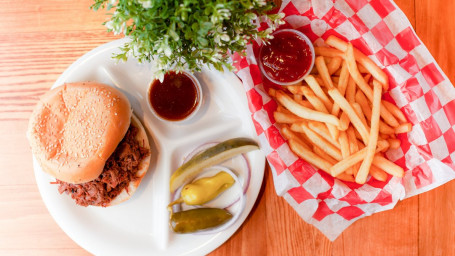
350, 90
327, 52
297, 128
314, 85
386, 146
295, 89
367, 77
319, 106
361, 145
353, 148
346, 177
336, 110
385, 129
343, 176
342, 85
366, 89
344, 164
282, 109
272, 92
362, 69
327, 60
290, 135
363, 102
308, 115
323, 72
319, 141
344, 145
304, 112
334, 65
344, 78
322, 130
403, 128
394, 143
313, 99
396, 112
301, 135
305, 103
318, 151
352, 170
309, 156
388, 117
344, 122
357, 135
366, 62
286, 118
377, 173
383, 136
358, 111
388, 166
298, 97
362, 174
346, 107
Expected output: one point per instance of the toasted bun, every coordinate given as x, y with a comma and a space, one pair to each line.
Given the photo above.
76, 127
141, 137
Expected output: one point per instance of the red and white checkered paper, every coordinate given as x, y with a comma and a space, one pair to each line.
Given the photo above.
417, 85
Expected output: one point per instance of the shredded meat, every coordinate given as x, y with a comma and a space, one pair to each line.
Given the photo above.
119, 170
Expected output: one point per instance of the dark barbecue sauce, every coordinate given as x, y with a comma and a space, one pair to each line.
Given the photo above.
175, 98
286, 58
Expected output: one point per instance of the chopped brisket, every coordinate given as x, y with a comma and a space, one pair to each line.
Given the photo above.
119, 170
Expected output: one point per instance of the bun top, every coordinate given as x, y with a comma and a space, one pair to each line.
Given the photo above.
76, 127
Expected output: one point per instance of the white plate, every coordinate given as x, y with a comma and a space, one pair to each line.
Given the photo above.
140, 225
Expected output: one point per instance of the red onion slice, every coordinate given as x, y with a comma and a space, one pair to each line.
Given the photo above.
248, 176
198, 150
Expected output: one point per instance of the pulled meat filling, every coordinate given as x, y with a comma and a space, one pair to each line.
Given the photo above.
119, 170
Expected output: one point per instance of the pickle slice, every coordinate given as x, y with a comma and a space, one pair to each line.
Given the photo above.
211, 156
198, 219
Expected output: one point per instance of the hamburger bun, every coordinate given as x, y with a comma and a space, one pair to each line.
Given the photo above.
76, 127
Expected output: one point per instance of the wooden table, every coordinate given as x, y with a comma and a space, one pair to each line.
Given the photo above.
40, 39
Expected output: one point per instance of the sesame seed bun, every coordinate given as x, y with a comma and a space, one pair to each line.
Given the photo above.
76, 127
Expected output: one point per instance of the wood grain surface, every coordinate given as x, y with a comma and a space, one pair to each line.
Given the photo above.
40, 39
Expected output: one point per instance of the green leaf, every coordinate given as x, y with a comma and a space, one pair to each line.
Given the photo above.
204, 42
187, 30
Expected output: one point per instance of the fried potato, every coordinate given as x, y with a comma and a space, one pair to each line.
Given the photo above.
335, 118
304, 112
366, 62
371, 147
309, 156
347, 108
366, 89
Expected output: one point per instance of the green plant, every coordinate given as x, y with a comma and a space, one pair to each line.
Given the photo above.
186, 34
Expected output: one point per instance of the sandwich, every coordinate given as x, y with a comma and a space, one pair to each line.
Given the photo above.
86, 136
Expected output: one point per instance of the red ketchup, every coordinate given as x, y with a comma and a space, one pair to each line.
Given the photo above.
175, 98
286, 58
